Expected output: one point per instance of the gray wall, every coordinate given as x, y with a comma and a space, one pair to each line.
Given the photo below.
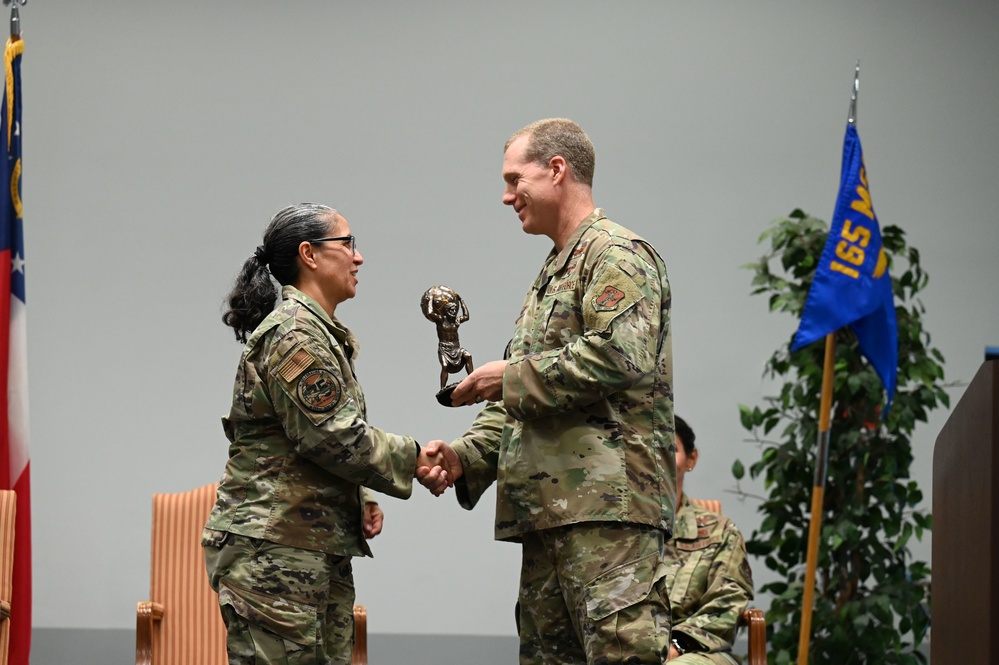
160, 137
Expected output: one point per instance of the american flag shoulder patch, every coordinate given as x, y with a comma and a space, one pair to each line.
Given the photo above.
295, 365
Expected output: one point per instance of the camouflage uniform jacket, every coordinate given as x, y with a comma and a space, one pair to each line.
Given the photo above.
708, 576
585, 429
300, 445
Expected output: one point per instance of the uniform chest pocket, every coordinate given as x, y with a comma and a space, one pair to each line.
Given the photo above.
690, 569
563, 320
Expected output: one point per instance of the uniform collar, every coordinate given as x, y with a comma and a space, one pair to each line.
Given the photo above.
686, 519
289, 292
338, 330
570, 244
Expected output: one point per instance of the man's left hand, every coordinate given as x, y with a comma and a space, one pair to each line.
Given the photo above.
483, 384
372, 520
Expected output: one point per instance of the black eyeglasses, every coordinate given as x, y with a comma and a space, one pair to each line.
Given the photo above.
348, 241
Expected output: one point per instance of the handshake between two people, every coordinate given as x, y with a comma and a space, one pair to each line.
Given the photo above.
438, 467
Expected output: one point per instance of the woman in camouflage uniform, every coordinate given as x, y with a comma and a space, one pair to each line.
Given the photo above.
708, 577
292, 506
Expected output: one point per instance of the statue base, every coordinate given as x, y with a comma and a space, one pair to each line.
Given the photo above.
444, 395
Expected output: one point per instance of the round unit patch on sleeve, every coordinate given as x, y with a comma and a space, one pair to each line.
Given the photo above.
319, 390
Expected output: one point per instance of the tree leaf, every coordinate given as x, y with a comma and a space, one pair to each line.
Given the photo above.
738, 470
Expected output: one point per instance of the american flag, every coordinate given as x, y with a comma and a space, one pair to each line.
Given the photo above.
14, 463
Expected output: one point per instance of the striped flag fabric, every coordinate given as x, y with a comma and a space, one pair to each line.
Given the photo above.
14, 461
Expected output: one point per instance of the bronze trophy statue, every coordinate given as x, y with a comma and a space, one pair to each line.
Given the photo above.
444, 307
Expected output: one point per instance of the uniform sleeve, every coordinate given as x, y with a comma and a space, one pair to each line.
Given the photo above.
713, 622
618, 345
478, 449
308, 390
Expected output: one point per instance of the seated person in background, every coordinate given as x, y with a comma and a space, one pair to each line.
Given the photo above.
709, 580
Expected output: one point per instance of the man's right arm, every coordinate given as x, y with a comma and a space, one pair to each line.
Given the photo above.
478, 450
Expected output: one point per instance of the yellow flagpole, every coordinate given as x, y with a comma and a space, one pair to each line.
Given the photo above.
818, 493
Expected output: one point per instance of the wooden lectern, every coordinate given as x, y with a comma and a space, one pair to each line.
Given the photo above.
965, 594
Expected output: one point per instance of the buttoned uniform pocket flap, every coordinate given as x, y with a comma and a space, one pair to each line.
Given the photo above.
623, 586
293, 621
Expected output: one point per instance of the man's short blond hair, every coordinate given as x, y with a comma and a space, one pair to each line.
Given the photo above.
564, 138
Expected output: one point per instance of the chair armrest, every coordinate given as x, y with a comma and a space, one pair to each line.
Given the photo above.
359, 656
754, 618
146, 613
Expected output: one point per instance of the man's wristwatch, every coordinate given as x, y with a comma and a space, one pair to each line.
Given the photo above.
683, 644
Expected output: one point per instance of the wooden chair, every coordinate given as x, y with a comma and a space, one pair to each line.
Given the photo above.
181, 623
8, 509
752, 618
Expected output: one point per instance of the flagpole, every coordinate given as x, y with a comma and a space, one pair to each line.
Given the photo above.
821, 458
15, 22
15, 18
852, 119
818, 494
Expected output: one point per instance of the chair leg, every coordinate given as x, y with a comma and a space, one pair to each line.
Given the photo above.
755, 619
360, 654
146, 614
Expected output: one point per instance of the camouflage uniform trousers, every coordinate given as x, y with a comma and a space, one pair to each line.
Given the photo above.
593, 593
281, 604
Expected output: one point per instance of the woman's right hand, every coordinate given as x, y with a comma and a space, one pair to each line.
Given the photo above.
437, 467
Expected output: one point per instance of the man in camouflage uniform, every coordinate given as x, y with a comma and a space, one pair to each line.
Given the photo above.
288, 518
708, 575
578, 433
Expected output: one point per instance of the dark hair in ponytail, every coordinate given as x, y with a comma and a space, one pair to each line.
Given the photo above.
254, 293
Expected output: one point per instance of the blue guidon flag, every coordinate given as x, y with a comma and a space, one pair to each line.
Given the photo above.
851, 284
14, 465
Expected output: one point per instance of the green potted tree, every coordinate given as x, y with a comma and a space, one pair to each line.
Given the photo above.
871, 597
